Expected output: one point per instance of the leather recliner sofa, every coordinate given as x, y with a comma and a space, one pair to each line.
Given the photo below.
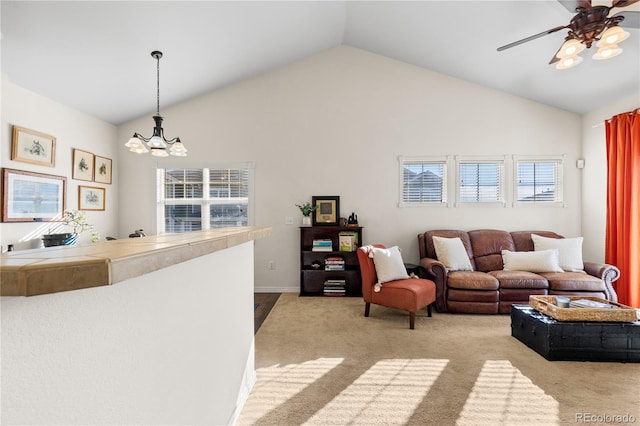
488, 289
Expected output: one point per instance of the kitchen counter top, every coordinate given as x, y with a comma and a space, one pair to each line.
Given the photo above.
63, 268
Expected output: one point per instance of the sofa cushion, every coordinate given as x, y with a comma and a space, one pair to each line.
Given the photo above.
573, 281
531, 261
472, 280
446, 233
452, 253
487, 246
569, 250
523, 242
519, 279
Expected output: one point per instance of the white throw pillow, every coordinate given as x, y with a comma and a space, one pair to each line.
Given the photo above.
451, 252
389, 264
569, 250
531, 261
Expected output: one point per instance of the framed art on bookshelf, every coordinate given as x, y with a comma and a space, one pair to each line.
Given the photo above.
29, 146
328, 211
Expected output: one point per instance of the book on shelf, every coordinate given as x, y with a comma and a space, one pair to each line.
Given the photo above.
334, 264
323, 242
322, 248
348, 241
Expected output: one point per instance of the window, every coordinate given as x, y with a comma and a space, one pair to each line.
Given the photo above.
480, 181
423, 181
539, 181
195, 199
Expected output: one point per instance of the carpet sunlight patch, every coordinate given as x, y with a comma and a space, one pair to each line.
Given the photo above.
388, 393
502, 395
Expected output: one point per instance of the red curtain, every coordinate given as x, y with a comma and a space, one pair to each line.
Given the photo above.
622, 244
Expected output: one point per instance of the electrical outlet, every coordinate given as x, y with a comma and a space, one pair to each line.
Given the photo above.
272, 265
288, 220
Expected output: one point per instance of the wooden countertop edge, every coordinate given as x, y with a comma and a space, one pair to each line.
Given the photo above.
58, 269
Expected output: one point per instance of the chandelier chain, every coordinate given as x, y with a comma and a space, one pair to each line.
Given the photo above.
158, 85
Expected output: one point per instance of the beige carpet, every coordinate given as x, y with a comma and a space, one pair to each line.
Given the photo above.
319, 361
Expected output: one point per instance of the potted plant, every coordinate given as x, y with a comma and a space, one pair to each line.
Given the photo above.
306, 210
77, 221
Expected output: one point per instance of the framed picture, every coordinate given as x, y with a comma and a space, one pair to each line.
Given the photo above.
33, 147
102, 170
82, 165
328, 211
32, 197
91, 198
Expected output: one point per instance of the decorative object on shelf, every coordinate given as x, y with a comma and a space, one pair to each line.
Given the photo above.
33, 147
83, 162
306, 210
137, 233
327, 210
77, 221
102, 170
353, 220
91, 198
157, 143
32, 197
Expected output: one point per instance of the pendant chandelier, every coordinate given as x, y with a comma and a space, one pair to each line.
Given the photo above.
157, 144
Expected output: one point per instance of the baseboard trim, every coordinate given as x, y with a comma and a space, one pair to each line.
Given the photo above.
276, 290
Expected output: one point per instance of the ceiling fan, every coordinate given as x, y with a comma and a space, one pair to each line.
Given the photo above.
590, 24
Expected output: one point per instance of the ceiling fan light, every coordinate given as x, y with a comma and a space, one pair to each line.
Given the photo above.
607, 52
570, 47
159, 152
568, 62
613, 35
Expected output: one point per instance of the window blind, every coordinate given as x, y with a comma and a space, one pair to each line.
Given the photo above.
424, 182
539, 181
480, 182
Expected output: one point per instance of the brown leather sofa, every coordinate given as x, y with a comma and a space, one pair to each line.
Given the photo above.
488, 289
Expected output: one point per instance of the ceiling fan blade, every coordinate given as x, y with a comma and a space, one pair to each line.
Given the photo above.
533, 37
631, 19
573, 5
622, 3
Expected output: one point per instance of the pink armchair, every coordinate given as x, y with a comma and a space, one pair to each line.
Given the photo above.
412, 294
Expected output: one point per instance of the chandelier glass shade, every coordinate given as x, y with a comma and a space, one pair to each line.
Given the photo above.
157, 143
607, 47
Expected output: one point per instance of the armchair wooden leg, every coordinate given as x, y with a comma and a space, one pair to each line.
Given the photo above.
429, 310
367, 306
412, 320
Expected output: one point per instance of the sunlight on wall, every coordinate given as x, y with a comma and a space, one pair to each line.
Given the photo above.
387, 393
502, 395
277, 384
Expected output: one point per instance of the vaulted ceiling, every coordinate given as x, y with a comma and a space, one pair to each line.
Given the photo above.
95, 56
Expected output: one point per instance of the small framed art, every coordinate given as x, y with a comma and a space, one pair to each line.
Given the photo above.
328, 211
32, 197
82, 165
33, 147
102, 170
91, 198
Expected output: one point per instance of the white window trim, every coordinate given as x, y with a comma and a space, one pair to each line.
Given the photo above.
446, 160
499, 160
561, 159
161, 201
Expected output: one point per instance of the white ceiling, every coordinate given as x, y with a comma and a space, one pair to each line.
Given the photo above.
95, 56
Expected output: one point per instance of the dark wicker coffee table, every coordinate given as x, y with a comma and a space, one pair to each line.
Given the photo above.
575, 341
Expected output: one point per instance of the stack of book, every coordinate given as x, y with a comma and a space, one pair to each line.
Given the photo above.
586, 303
348, 241
334, 287
322, 245
334, 264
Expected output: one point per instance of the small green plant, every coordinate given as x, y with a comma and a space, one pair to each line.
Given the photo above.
78, 222
306, 209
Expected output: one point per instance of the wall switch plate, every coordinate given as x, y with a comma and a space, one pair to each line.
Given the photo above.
288, 220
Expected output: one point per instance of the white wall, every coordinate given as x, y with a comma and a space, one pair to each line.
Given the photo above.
174, 346
334, 124
594, 175
72, 129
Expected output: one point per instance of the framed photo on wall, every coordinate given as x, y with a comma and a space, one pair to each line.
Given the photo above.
328, 211
83, 163
32, 197
102, 170
33, 147
91, 198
